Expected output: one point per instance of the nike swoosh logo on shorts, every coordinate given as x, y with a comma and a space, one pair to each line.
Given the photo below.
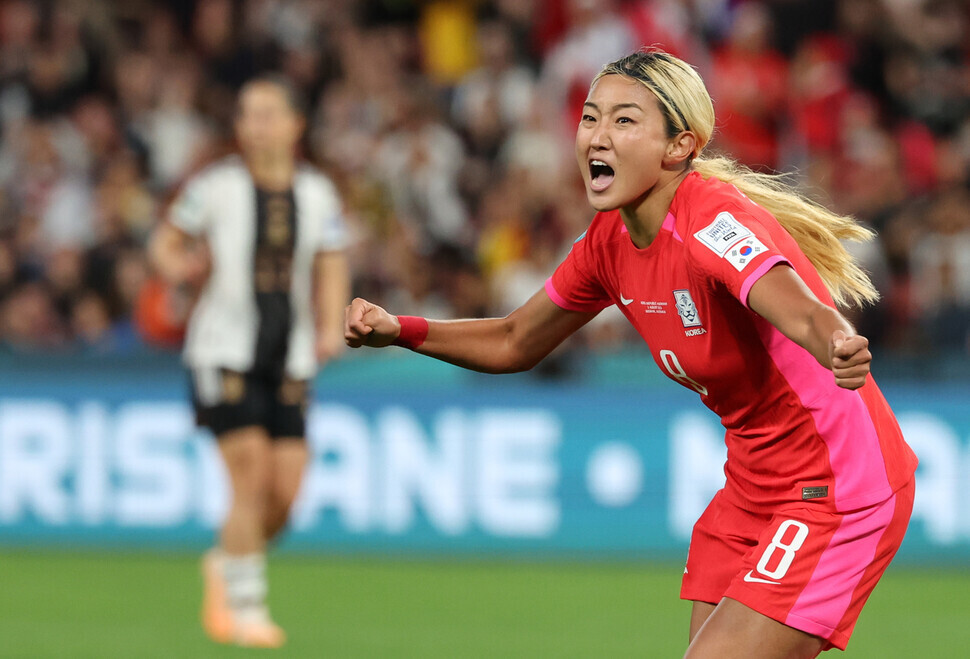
751, 579
624, 300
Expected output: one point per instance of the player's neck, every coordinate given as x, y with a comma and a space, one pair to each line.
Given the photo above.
644, 218
271, 171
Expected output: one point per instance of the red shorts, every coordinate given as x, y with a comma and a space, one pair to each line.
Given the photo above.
807, 568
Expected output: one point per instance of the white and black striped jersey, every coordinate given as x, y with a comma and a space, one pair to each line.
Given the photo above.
255, 311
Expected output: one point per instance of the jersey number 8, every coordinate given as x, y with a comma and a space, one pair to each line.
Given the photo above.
672, 364
788, 549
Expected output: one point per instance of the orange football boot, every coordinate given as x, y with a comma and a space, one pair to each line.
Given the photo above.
216, 614
259, 631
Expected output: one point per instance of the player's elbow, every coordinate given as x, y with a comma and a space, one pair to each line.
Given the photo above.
516, 356
163, 248
160, 252
511, 364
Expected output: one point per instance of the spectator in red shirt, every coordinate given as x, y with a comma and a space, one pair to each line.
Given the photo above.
750, 85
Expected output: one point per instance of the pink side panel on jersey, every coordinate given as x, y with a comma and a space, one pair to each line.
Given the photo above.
841, 419
758, 273
828, 594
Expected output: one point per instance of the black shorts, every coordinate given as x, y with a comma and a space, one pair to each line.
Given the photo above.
225, 400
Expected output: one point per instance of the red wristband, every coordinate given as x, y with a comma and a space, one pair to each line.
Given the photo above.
414, 330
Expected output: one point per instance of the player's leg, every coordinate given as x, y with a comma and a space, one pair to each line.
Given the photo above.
228, 404
240, 424
232, 569
283, 461
287, 425
246, 453
699, 613
734, 631
289, 461
715, 556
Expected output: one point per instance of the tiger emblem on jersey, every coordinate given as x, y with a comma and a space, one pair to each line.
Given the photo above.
686, 308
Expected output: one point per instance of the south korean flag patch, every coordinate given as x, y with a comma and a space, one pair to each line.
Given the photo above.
743, 253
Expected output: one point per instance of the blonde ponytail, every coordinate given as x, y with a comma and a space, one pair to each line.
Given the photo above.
817, 230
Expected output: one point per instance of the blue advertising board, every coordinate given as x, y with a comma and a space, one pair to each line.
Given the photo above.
419, 459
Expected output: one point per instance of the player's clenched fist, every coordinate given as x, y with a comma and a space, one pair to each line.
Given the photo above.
850, 358
367, 324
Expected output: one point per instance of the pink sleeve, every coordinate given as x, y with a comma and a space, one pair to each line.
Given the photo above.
766, 264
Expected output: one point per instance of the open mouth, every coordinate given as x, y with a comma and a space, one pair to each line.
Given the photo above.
600, 175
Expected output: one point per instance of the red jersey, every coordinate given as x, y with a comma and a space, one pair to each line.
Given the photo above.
792, 433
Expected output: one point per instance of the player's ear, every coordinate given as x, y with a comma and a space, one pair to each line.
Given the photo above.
680, 148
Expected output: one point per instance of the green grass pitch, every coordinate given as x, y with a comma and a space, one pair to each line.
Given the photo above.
137, 605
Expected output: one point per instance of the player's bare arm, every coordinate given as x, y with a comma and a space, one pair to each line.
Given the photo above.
179, 258
332, 290
783, 299
493, 345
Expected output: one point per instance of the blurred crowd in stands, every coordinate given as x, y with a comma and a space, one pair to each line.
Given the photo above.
448, 126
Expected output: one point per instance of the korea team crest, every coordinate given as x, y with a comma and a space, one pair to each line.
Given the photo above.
686, 308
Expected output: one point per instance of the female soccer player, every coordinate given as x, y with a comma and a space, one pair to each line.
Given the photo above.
263, 236
730, 277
